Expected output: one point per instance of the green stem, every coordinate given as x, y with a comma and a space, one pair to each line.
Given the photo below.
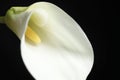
2, 19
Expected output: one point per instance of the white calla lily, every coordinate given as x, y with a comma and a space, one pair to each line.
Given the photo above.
61, 50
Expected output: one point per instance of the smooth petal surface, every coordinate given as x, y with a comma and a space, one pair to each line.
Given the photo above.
64, 53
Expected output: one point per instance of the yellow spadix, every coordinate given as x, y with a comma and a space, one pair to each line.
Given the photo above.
30, 34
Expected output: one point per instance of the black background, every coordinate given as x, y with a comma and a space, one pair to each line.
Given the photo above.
91, 15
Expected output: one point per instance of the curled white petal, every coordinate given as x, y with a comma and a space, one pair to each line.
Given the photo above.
65, 52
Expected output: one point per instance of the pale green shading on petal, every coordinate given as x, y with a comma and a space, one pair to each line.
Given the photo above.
16, 19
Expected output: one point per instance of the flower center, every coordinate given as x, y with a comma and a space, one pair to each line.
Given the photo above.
32, 36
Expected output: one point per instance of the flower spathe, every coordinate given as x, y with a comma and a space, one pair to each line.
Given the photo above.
64, 53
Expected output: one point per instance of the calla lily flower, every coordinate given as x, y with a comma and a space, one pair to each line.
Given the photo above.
53, 45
